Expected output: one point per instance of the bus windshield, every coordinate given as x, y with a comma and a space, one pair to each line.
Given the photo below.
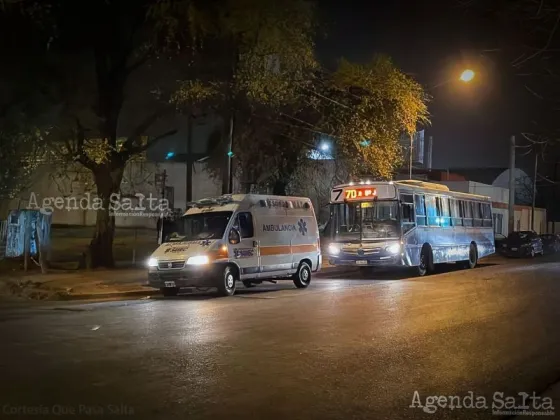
365, 220
199, 226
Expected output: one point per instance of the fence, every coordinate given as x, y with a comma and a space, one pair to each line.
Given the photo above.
3, 237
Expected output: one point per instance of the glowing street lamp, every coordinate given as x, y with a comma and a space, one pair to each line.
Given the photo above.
325, 147
467, 76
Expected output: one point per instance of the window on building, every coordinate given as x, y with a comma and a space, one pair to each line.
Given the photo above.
432, 210
420, 208
498, 223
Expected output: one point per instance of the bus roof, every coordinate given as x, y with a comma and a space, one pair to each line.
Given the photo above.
419, 185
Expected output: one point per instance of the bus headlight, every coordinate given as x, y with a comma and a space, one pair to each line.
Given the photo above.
152, 262
198, 260
393, 249
334, 249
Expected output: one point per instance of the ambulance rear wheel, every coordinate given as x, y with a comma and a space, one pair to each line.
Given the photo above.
226, 282
302, 277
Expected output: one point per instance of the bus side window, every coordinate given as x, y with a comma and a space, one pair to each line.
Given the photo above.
432, 211
477, 214
420, 210
455, 212
467, 213
444, 218
486, 215
407, 212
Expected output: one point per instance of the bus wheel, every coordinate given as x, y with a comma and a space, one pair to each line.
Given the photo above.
426, 265
302, 277
473, 257
226, 282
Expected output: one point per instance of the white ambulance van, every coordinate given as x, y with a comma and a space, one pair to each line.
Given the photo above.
248, 238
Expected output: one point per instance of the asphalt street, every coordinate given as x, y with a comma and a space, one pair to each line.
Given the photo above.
346, 347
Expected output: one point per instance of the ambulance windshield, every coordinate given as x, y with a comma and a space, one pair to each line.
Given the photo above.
193, 227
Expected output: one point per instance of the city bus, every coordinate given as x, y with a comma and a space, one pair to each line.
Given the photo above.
408, 224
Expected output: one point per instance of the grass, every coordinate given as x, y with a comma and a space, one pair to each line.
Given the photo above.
69, 243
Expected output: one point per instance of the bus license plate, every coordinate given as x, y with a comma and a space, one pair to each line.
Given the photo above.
361, 262
169, 284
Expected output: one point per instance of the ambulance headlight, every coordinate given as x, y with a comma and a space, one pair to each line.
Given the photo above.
198, 260
152, 262
334, 249
393, 249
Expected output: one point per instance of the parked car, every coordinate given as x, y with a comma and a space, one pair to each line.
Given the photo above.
500, 242
523, 244
551, 242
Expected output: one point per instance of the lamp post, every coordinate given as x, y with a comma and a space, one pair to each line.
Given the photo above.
466, 76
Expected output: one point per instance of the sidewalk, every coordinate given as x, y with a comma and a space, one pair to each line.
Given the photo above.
80, 284
65, 285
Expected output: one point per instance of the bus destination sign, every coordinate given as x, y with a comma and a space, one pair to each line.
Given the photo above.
359, 193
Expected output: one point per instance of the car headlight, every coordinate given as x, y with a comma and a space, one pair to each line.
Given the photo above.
152, 262
393, 249
334, 249
198, 260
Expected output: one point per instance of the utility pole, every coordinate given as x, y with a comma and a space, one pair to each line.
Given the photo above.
190, 162
511, 204
227, 181
163, 179
534, 192
410, 161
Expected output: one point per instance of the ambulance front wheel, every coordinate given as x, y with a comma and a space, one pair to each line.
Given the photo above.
302, 277
226, 281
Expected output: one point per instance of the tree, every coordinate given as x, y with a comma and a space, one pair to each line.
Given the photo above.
100, 47
25, 94
256, 55
367, 108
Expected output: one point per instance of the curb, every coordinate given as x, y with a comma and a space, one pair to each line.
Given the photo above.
92, 296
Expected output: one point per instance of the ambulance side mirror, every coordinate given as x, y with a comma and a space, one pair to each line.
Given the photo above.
234, 238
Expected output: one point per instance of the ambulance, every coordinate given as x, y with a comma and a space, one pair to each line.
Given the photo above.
244, 238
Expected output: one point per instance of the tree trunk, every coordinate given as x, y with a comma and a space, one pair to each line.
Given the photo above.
279, 187
108, 182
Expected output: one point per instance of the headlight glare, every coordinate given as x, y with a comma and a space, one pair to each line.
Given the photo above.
394, 249
334, 249
152, 262
198, 260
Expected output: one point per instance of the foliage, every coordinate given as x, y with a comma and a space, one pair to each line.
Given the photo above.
98, 46
253, 56
368, 108
250, 51
20, 154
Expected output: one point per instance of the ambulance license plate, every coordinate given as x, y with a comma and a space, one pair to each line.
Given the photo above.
361, 262
169, 284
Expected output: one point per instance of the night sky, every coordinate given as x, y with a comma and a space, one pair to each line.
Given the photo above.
433, 40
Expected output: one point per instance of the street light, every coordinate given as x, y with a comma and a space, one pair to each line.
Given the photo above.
467, 75
324, 147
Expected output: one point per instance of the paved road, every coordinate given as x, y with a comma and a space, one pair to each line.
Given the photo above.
344, 348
